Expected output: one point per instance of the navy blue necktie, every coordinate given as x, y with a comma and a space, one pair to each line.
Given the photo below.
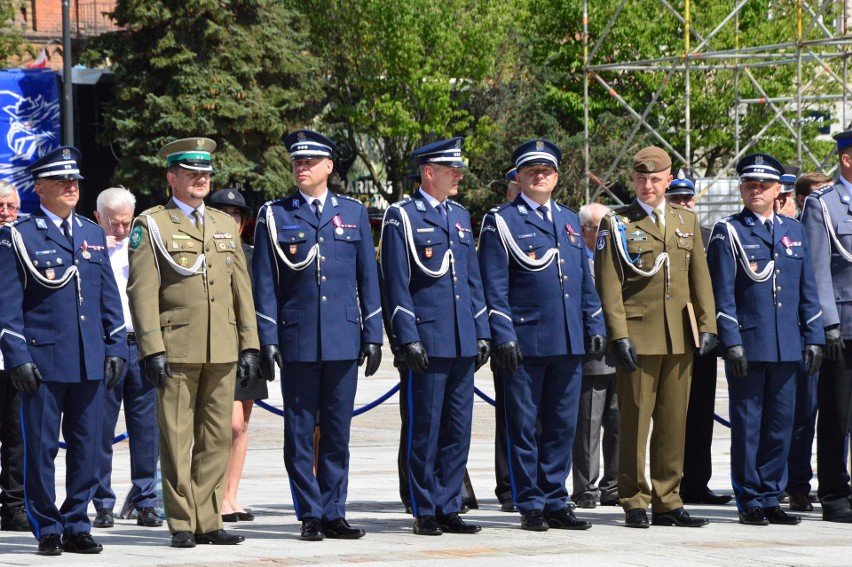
442, 210
66, 230
316, 206
769, 227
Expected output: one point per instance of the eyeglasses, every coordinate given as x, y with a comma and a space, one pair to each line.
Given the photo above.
10, 207
123, 225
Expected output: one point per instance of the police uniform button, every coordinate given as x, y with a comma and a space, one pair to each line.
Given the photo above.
33, 341
455, 278
321, 239
348, 238
458, 297
82, 317
323, 278
324, 298
558, 245
522, 319
778, 288
776, 254
417, 319
564, 277
322, 258
567, 296
779, 304
779, 271
562, 261
76, 261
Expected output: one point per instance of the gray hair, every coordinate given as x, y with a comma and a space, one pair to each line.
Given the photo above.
115, 198
7, 189
592, 213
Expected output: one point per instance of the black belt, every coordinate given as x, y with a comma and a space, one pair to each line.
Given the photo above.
131, 337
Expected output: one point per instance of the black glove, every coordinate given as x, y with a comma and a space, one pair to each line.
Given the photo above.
26, 378
157, 368
270, 355
483, 351
735, 356
812, 358
113, 369
706, 343
247, 367
414, 357
508, 355
833, 343
373, 354
597, 345
625, 354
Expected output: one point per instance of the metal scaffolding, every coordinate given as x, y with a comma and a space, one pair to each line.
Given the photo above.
816, 45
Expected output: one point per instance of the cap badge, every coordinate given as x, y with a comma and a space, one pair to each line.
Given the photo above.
301, 136
231, 195
66, 153
199, 144
458, 144
650, 165
681, 174
539, 145
758, 160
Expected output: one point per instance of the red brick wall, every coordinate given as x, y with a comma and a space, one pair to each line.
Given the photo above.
44, 17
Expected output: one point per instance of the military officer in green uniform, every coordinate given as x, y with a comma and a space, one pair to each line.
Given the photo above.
192, 309
652, 277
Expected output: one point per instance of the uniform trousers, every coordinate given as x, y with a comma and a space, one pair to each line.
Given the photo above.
194, 414
140, 417
598, 411
79, 407
545, 390
799, 470
834, 396
325, 390
440, 410
11, 446
698, 457
761, 409
503, 487
657, 391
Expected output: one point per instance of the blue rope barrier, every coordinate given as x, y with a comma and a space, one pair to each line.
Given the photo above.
484, 396
722, 420
116, 439
378, 401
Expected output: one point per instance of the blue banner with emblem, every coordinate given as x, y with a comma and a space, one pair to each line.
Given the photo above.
29, 125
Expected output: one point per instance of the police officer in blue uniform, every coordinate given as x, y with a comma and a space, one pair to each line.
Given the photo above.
439, 325
319, 309
766, 302
63, 339
827, 216
542, 304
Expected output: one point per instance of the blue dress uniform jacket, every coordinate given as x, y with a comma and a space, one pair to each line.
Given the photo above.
548, 317
295, 307
67, 332
419, 303
769, 324
319, 303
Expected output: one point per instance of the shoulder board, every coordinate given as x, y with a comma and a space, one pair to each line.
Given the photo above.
347, 197
821, 192
619, 209
457, 204
217, 211
17, 221
87, 219
152, 210
277, 201
501, 206
728, 218
789, 218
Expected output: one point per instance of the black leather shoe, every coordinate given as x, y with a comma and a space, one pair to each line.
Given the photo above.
230, 518
148, 518
312, 530
534, 521
50, 544
452, 523
15, 520
836, 509
610, 502
81, 542
183, 539
104, 519
427, 525
800, 503
706, 497
776, 515
636, 518
565, 519
340, 529
680, 518
219, 537
246, 516
586, 500
754, 516
507, 506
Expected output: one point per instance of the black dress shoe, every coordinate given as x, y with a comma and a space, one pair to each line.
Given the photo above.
104, 519
753, 516
15, 520
340, 529
183, 539
706, 497
836, 509
230, 518
452, 523
427, 525
246, 516
776, 515
678, 517
312, 530
586, 500
800, 503
81, 542
149, 518
565, 519
507, 506
219, 537
636, 518
534, 521
610, 502
50, 544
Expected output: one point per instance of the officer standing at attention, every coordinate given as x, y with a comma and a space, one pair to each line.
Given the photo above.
196, 330
63, 340
440, 327
542, 306
697, 455
766, 302
651, 273
827, 216
319, 313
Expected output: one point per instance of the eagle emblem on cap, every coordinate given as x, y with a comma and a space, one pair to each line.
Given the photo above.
199, 144
301, 136
681, 174
539, 145
231, 195
649, 165
458, 144
758, 160
66, 153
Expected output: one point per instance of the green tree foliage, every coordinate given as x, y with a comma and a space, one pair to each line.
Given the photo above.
12, 45
237, 71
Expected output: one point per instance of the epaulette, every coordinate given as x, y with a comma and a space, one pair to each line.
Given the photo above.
277, 201
18, 221
90, 221
728, 218
822, 191
502, 206
681, 208
788, 217
347, 197
619, 209
152, 210
457, 204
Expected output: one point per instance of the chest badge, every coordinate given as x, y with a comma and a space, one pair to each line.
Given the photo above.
428, 252
50, 274
184, 262
294, 248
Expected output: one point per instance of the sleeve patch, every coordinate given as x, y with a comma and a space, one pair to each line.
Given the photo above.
135, 237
